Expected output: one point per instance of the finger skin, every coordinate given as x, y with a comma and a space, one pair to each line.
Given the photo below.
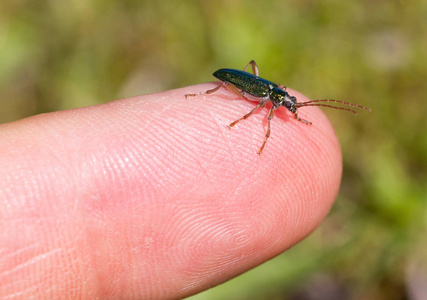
154, 197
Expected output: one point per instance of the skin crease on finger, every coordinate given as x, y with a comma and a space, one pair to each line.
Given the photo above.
154, 197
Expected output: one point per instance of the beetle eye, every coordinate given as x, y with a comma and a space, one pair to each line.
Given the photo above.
288, 104
293, 99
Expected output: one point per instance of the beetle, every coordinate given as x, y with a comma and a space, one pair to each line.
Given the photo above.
252, 87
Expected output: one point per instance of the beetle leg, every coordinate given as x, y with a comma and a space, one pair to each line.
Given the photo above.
254, 67
207, 92
267, 134
282, 87
214, 89
230, 86
233, 88
260, 104
301, 120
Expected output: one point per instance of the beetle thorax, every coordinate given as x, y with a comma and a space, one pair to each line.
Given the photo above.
280, 97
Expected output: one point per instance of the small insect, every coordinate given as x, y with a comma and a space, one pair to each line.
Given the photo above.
252, 87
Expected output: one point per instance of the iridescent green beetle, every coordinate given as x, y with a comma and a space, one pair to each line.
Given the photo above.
252, 87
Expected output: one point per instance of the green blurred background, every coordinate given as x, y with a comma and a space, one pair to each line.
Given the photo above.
57, 55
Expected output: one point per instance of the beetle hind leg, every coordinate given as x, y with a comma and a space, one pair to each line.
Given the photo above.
234, 89
187, 96
230, 86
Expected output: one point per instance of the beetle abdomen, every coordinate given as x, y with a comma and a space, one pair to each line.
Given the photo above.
249, 83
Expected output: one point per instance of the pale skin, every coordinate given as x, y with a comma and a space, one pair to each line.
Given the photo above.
154, 197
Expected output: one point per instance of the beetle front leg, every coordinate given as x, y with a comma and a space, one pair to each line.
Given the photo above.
254, 67
301, 120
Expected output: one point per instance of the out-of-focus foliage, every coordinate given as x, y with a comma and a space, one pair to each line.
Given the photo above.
58, 55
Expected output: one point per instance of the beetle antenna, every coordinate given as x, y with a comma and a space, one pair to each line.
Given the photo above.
326, 105
315, 103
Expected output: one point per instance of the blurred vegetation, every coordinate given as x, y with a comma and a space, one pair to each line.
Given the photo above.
57, 55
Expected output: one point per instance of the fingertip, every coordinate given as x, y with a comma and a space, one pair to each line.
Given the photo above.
168, 192
299, 169
244, 200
